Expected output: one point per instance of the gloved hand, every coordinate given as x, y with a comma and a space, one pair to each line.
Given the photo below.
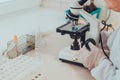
90, 59
105, 35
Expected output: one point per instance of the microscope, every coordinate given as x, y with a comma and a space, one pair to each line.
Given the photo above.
81, 34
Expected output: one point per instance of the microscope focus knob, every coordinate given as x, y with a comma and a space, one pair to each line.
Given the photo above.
88, 41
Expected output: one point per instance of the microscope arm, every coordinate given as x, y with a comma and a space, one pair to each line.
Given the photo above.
94, 25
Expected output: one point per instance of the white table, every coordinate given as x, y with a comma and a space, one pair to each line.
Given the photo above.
52, 68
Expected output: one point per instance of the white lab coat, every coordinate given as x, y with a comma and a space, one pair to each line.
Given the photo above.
105, 70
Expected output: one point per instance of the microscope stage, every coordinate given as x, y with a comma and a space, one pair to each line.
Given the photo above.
68, 28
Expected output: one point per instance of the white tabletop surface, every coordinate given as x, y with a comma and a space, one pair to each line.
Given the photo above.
52, 68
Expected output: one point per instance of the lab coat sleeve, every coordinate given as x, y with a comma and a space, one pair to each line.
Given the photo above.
105, 71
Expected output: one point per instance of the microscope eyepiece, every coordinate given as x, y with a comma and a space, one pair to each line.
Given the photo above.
81, 2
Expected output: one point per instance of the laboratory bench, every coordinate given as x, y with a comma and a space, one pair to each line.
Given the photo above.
51, 67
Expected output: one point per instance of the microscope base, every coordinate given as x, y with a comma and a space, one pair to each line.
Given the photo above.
70, 62
68, 55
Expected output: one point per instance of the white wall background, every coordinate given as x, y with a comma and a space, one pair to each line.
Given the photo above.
14, 5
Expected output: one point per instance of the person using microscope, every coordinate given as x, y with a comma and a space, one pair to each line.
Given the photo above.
101, 67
